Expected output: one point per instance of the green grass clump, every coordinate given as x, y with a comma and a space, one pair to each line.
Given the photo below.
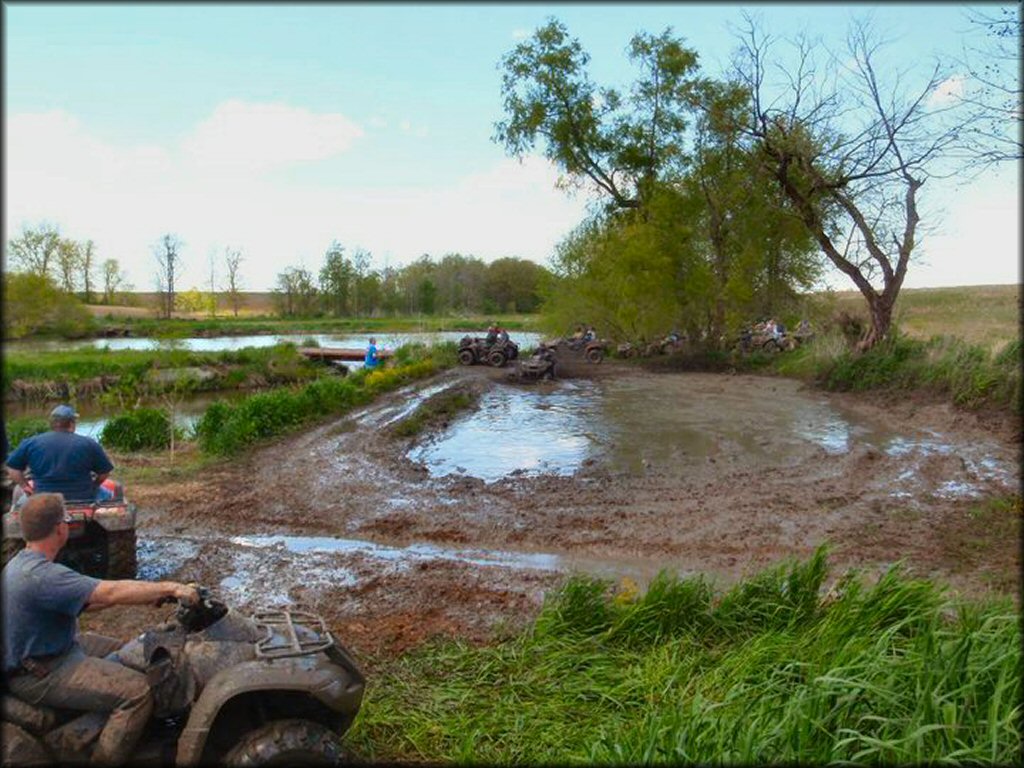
227, 428
22, 428
437, 409
770, 672
140, 429
970, 374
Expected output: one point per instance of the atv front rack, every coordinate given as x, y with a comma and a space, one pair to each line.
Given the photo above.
288, 643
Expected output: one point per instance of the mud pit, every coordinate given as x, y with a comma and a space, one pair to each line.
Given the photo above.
460, 532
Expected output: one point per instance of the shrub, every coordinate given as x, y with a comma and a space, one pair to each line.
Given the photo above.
20, 429
34, 304
138, 430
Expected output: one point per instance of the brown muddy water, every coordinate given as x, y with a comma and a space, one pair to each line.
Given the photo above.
465, 528
635, 425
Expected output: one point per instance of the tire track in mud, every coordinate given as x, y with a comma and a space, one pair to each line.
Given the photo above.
458, 556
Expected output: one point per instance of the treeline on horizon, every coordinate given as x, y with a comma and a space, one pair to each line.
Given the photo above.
455, 284
49, 278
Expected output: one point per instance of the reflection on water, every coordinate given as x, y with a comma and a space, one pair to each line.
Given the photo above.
222, 343
528, 430
681, 424
630, 425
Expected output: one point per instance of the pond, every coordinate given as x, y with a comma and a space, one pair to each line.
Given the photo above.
682, 424
222, 343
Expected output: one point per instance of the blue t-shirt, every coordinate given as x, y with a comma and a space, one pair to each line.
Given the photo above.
42, 601
61, 463
371, 356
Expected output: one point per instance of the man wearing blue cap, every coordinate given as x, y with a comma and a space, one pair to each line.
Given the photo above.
61, 461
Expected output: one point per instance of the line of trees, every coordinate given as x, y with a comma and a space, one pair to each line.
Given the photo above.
724, 199
71, 265
346, 285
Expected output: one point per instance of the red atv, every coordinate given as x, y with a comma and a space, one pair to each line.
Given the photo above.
101, 541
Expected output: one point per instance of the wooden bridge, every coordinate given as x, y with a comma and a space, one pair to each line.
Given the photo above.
339, 353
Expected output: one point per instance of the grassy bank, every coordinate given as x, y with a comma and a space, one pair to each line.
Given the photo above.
769, 672
970, 375
227, 428
79, 372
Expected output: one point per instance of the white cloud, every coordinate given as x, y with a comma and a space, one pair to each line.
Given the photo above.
520, 34
124, 198
948, 92
260, 137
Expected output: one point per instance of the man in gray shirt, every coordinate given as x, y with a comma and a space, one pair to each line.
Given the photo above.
45, 661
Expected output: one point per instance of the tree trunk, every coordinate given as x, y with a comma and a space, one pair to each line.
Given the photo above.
880, 307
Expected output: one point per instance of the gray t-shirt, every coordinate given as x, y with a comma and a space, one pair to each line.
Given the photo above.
41, 603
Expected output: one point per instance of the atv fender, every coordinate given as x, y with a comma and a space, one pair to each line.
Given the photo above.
117, 517
332, 685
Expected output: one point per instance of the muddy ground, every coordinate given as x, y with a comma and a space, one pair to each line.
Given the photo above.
340, 519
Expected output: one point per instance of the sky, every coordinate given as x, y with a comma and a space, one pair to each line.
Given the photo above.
277, 129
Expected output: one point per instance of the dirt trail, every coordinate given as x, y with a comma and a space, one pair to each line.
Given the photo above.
730, 514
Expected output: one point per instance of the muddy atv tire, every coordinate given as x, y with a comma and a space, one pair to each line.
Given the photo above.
594, 355
497, 358
122, 562
11, 547
466, 356
287, 742
771, 346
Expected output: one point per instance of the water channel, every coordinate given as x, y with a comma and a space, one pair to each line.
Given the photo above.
222, 343
94, 415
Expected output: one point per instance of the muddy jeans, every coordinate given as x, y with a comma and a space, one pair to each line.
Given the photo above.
82, 680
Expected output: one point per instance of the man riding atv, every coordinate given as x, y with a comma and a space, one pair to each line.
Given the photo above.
45, 661
61, 462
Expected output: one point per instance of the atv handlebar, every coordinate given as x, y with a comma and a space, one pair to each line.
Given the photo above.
195, 617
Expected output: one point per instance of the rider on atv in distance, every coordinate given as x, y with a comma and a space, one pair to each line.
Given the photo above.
61, 461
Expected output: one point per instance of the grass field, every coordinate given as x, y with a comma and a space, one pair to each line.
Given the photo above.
986, 315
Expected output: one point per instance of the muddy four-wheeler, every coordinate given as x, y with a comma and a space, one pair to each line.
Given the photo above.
272, 688
593, 350
101, 538
476, 349
537, 367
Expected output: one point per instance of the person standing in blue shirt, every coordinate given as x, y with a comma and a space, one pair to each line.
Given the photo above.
371, 361
62, 462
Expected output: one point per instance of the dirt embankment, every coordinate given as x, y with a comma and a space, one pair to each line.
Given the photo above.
457, 556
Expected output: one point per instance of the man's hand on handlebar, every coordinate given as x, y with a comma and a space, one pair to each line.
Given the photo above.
184, 594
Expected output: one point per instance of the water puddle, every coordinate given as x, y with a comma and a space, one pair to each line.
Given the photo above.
264, 569
631, 426
681, 424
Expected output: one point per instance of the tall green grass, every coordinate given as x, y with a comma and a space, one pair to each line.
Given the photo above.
227, 428
769, 672
969, 374
139, 429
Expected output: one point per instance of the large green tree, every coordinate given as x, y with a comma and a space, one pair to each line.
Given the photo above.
336, 278
622, 144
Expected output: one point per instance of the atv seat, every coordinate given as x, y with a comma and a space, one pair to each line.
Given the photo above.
37, 719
